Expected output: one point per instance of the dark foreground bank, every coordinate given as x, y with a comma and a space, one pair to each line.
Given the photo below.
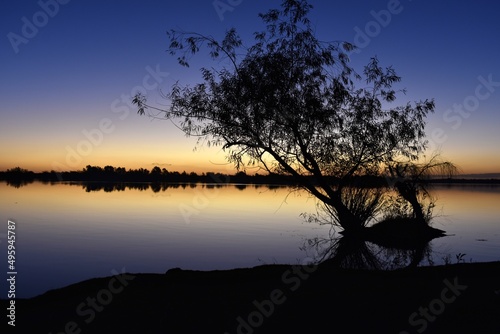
460, 298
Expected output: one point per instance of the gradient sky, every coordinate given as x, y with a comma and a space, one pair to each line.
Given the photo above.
77, 71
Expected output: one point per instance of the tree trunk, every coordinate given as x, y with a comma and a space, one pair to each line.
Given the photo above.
409, 193
347, 220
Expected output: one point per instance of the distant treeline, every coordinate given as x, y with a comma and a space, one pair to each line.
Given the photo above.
110, 174
116, 177
18, 176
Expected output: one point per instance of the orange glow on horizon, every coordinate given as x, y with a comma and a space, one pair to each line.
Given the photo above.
179, 157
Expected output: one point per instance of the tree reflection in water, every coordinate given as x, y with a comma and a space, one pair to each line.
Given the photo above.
355, 253
392, 236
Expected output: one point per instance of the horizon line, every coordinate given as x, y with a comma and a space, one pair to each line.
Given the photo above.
488, 174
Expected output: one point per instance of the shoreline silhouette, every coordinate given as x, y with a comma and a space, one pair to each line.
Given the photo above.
274, 298
110, 174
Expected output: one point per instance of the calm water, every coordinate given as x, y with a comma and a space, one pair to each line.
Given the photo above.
66, 234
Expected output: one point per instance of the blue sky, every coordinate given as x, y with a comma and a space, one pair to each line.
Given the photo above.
66, 86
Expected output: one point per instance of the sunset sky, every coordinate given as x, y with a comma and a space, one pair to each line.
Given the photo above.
69, 70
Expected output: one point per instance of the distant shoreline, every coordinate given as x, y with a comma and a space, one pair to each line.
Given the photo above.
112, 175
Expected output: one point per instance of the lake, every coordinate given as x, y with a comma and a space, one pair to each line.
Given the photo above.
69, 232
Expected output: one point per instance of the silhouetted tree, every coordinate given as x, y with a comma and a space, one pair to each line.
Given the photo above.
156, 170
156, 174
410, 178
109, 169
289, 104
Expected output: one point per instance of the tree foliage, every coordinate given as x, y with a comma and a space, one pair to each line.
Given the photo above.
291, 104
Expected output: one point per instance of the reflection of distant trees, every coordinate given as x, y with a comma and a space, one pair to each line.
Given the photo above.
18, 183
17, 177
113, 186
115, 177
156, 187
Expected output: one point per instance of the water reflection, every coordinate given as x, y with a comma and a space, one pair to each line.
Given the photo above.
18, 183
156, 187
392, 234
73, 231
355, 253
